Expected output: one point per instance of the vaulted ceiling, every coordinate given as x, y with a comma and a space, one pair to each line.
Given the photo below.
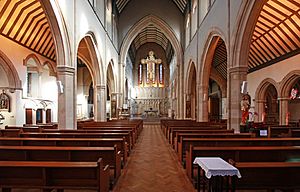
151, 34
181, 4
276, 35
24, 22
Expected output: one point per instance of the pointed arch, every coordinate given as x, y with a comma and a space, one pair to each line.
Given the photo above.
93, 59
205, 71
36, 59
260, 93
52, 69
207, 55
13, 77
140, 25
111, 77
191, 92
287, 83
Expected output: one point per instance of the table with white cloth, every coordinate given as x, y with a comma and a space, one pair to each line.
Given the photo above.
214, 169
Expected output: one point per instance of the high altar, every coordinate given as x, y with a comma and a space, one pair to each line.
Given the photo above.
151, 93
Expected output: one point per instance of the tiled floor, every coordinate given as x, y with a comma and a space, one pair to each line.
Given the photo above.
153, 166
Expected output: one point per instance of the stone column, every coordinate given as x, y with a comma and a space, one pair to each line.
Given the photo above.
236, 75
260, 109
100, 102
202, 112
66, 99
180, 92
121, 86
185, 97
283, 110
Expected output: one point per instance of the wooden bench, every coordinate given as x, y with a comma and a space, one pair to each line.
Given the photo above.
82, 142
133, 134
241, 154
171, 129
127, 136
186, 140
268, 175
166, 125
54, 175
109, 155
136, 125
281, 131
182, 136
9, 132
174, 134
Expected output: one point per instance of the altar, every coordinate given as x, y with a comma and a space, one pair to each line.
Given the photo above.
151, 113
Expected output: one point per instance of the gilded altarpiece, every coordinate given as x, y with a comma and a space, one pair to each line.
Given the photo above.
151, 92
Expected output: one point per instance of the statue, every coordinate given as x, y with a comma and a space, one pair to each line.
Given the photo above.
245, 106
150, 61
4, 101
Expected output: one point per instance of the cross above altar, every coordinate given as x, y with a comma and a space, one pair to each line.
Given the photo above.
150, 61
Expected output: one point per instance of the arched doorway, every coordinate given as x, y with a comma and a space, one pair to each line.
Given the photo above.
90, 92
271, 105
191, 99
214, 101
213, 80
266, 102
9, 84
294, 103
111, 93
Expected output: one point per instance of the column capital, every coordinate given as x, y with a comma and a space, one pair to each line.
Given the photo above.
201, 86
239, 69
260, 101
283, 99
100, 87
123, 64
65, 69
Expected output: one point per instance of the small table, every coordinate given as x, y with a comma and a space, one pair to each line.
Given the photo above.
213, 167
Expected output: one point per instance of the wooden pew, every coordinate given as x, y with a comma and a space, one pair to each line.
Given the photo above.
281, 131
176, 132
268, 175
54, 175
137, 125
133, 134
190, 139
295, 133
110, 155
82, 142
127, 136
242, 154
167, 124
9, 132
172, 129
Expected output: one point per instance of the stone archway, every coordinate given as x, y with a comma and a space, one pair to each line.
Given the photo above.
262, 92
191, 98
168, 32
88, 54
286, 85
207, 71
238, 64
111, 86
14, 82
64, 65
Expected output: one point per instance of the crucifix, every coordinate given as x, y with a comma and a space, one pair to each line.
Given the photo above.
150, 61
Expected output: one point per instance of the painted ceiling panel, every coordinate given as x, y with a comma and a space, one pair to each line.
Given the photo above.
24, 22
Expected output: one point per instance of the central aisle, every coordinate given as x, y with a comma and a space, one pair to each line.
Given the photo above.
153, 166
